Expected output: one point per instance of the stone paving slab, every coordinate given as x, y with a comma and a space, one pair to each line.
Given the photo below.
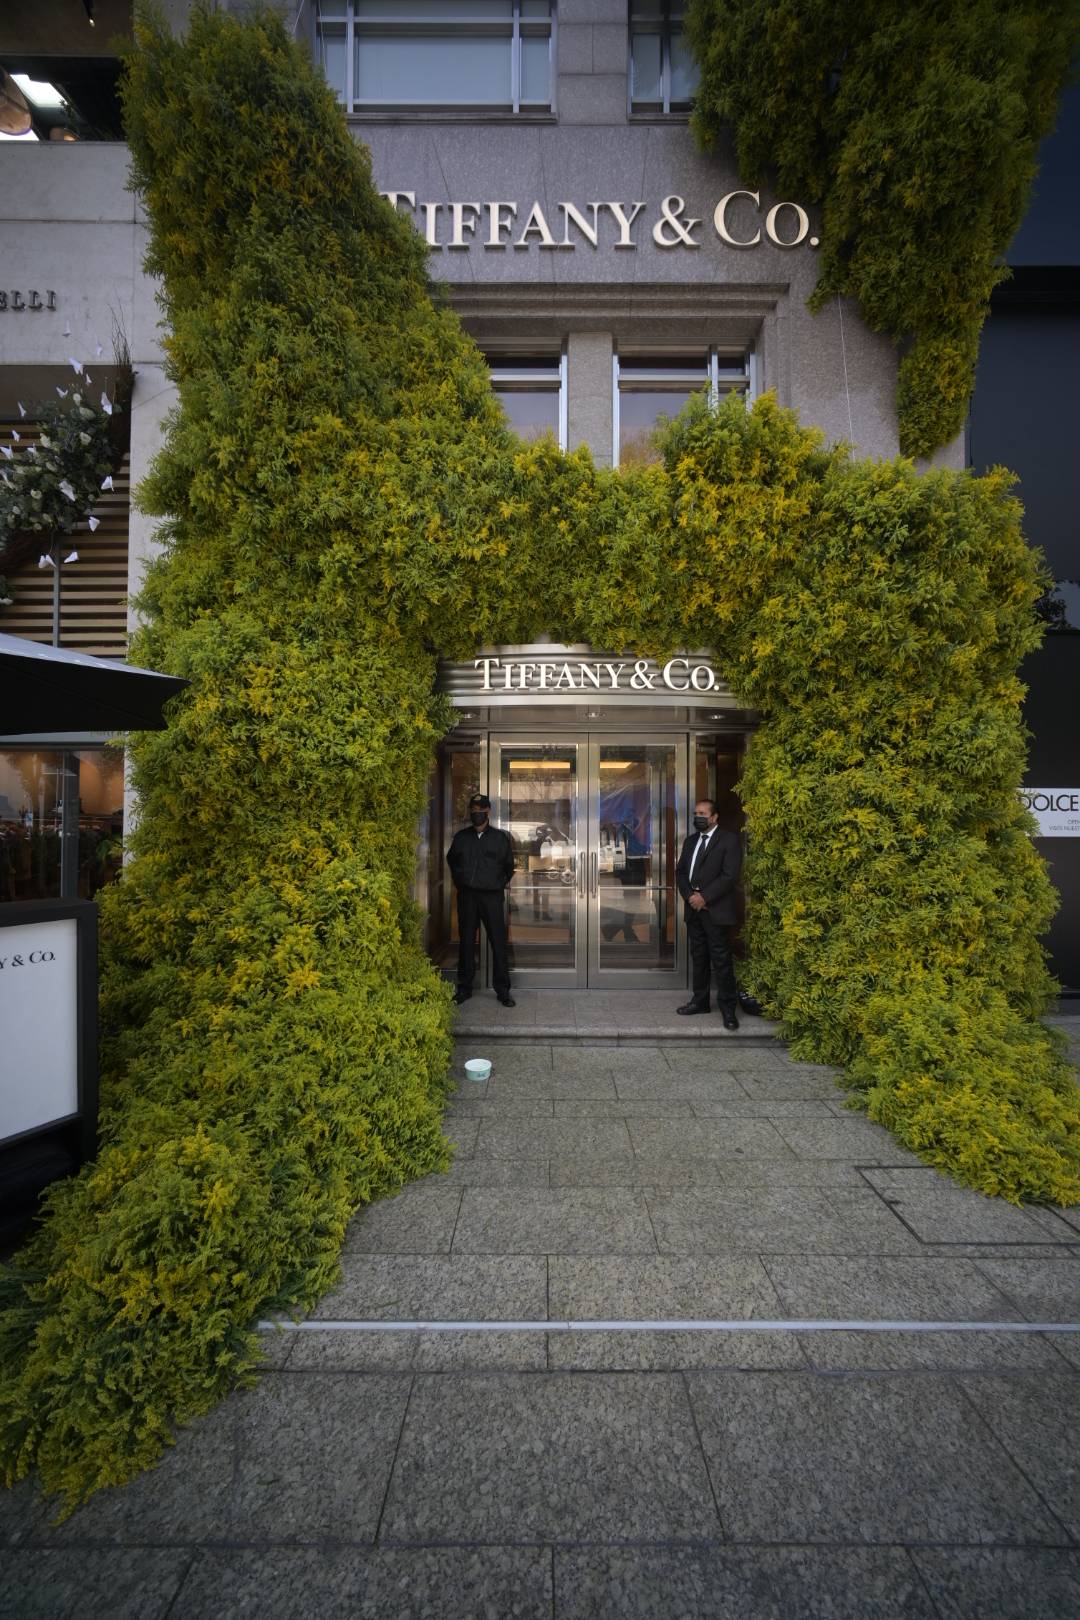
496, 1173
598, 1082
857, 1141
453, 1583
788, 1220
1043, 1290
622, 1108
418, 1220
113, 1583
505, 1108
888, 1288
931, 1352
419, 1351
938, 1210
700, 1087
650, 1289
748, 1108
558, 1221
653, 1170
550, 1137
708, 1139
470, 1288
739, 1583
977, 1583
1037, 1422
797, 1457
563, 1457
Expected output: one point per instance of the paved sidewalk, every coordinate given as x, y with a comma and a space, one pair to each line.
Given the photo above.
790, 1474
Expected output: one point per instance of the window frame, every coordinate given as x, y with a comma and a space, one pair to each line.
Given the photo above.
531, 381
671, 12
346, 26
718, 374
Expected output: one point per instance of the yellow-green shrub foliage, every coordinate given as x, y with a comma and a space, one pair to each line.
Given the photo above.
343, 503
915, 124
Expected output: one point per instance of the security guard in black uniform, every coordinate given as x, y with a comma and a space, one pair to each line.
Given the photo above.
481, 862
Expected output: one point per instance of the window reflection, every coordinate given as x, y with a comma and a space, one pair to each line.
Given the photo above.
663, 73
61, 821
437, 53
529, 387
653, 386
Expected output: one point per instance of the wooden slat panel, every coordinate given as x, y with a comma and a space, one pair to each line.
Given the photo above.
93, 607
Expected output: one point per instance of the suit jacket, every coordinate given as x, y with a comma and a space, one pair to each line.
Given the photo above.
715, 875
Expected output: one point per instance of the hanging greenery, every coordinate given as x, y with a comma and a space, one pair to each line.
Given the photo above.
342, 503
915, 127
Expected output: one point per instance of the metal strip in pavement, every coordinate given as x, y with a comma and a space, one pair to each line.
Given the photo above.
674, 1325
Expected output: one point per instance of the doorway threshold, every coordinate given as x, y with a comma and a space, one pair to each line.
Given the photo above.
579, 1017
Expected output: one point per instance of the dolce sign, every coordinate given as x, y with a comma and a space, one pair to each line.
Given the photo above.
595, 675
1057, 810
736, 220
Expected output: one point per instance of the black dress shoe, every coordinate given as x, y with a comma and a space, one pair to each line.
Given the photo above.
730, 1020
689, 1008
507, 1001
461, 994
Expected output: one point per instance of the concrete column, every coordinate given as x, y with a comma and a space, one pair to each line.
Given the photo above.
589, 402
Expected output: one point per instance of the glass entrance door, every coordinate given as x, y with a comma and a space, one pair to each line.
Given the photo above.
635, 793
595, 824
539, 795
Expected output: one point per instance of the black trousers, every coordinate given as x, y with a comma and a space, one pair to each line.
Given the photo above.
710, 955
487, 906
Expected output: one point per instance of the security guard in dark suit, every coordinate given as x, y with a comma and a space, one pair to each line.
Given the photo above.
481, 862
707, 873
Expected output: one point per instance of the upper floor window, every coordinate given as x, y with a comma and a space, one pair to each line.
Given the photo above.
531, 388
438, 55
663, 74
651, 384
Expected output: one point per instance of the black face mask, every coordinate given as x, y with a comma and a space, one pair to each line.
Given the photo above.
478, 817
701, 823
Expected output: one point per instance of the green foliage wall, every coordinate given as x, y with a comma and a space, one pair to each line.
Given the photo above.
916, 127
342, 504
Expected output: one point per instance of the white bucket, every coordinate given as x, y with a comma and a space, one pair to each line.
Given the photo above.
478, 1068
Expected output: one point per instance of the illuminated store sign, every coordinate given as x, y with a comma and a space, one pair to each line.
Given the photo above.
595, 675
736, 220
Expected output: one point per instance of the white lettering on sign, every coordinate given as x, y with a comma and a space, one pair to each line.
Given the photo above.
736, 220
595, 675
1057, 810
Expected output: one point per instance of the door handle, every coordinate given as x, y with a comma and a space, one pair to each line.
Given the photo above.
595, 873
580, 858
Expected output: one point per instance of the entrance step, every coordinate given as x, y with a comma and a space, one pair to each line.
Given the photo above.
574, 1017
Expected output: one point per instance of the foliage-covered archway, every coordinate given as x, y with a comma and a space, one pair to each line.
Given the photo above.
342, 502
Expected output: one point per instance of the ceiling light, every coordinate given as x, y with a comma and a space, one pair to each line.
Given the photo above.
539, 764
40, 91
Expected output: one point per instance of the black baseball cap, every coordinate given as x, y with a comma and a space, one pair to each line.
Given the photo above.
480, 799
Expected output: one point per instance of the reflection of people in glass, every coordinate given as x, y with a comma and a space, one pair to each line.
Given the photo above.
541, 843
615, 842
